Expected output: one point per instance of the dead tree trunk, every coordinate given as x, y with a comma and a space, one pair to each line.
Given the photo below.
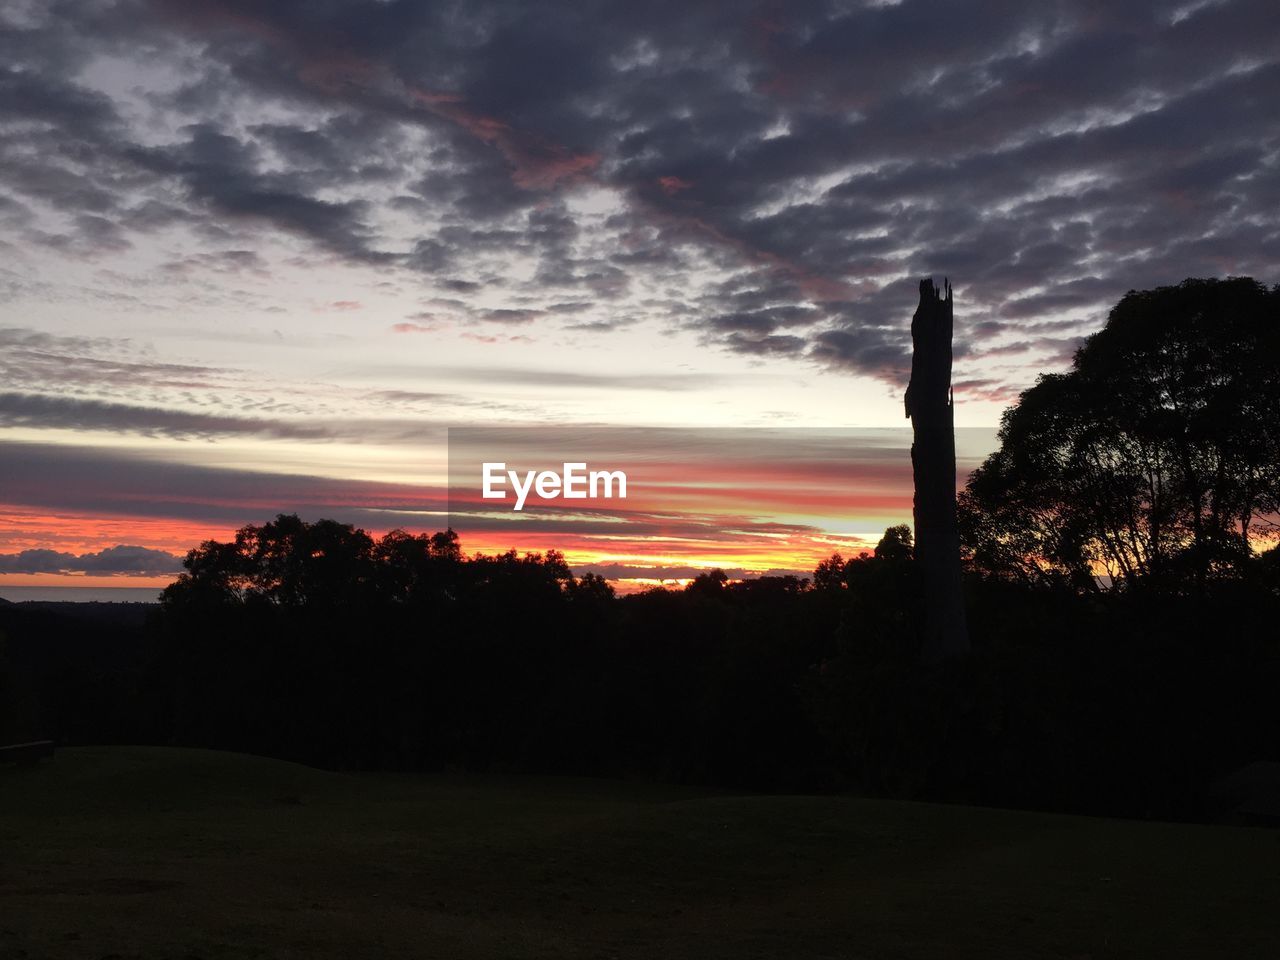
933, 465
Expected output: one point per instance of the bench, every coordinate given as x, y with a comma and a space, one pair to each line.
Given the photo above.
26, 754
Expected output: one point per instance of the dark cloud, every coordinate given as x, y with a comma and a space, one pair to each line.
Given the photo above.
570, 379
111, 483
71, 413
508, 316
47, 412
122, 559
773, 345
34, 361
602, 326
223, 173
1048, 157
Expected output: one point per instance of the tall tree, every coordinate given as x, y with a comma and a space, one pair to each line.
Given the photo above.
930, 407
1154, 459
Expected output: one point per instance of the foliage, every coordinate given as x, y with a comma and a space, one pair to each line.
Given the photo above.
1155, 459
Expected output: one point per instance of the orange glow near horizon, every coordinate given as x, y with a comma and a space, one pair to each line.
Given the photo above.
109, 580
25, 529
743, 506
724, 499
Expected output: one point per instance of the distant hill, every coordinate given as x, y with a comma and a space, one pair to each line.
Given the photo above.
128, 613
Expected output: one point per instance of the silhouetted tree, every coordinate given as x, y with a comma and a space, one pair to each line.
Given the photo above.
829, 574
710, 584
896, 544
590, 588
286, 562
417, 568
1126, 702
1153, 459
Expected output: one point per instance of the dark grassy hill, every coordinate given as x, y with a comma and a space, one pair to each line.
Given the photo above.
155, 852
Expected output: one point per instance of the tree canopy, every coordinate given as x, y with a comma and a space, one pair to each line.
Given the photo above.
1154, 459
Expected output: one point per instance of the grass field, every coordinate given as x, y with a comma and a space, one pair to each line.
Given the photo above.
153, 852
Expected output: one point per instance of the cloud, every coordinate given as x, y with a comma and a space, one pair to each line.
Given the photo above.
104, 482
776, 181
34, 360
564, 378
765, 345
506, 315
69, 413
118, 560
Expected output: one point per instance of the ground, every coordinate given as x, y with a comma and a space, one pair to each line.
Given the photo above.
166, 853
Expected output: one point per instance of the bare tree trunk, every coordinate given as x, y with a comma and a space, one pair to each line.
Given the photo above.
933, 464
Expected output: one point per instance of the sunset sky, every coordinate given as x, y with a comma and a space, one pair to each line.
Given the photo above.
261, 257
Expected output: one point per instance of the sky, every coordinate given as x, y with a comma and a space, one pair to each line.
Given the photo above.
262, 257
